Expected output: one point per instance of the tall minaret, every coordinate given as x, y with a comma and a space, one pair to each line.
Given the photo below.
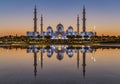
78, 24
84, 19
41, 24
35, 19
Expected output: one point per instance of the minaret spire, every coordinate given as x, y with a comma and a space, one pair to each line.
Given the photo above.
35, 19
41, 24
78, 24
84, 19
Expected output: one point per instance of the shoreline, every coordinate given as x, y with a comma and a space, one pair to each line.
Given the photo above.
94, 44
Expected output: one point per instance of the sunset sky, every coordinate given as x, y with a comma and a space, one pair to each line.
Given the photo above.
16, 16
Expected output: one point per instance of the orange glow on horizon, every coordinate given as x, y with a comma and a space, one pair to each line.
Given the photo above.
23, 31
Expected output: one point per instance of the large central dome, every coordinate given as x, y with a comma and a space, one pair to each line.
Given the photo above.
60, 28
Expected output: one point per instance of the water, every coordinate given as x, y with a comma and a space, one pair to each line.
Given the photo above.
59, 64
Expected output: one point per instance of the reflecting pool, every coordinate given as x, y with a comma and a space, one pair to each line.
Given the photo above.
59, 64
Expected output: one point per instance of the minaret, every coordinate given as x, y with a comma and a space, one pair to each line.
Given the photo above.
35, 19
84, 63
41, 24
78, 24
84, 19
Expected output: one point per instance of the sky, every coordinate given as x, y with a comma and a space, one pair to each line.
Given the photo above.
16, 16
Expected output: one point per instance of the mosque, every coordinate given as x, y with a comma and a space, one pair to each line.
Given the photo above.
60, 33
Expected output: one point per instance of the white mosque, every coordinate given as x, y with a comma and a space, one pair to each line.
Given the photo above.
60, 33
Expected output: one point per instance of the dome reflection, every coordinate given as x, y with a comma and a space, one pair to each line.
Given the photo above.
60, 50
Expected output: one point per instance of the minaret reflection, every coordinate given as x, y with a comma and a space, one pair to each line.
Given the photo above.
35, 64
84, 64
41, 60
85, 49
33, 49
78, 59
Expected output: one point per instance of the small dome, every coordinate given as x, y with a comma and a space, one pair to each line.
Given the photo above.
49, 27
70, 27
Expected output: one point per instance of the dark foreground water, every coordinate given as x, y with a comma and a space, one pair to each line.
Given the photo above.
59, 65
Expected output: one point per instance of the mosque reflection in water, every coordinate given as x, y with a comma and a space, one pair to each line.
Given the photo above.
60, 50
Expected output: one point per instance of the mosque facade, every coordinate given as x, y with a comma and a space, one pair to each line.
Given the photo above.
60, 32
